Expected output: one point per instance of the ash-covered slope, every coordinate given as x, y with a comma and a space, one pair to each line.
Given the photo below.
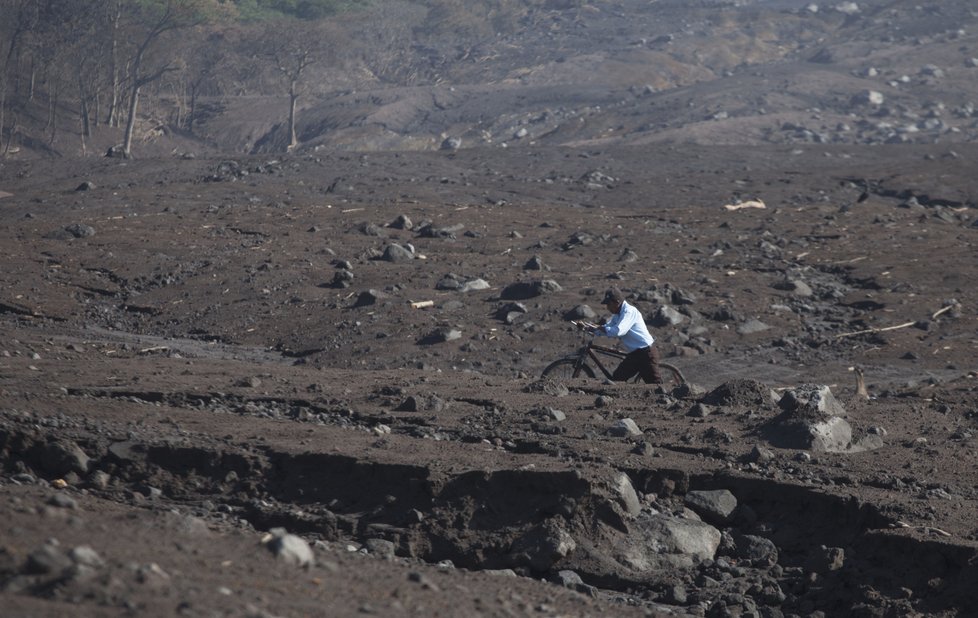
636, 72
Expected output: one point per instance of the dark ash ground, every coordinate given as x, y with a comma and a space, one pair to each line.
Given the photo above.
182, 324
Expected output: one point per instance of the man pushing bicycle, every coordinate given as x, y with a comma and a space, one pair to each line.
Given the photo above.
628, 325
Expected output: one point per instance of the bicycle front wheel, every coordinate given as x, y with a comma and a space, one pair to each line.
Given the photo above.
563, 369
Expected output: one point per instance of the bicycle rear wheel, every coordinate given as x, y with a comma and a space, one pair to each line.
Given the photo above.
671, 376
563, 369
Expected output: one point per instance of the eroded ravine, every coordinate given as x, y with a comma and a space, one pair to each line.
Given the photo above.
788, 548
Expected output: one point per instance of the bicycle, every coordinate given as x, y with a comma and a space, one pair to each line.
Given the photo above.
577, 364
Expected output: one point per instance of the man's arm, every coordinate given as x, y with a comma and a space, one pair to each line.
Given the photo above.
618, 325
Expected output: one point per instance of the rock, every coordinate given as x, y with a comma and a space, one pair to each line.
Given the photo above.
715, 507
289, 548
742, 392
63, 501
61, 457
85, 186
85, 555
474, 285
451, 143
397, 253
761, 552
552, 414
442, 334
666, 316
811, 401
49, 559
628, 256
581, 312
849, 8
530, 289
826, 559
381, 547
623, 428
797, 287
543, 546
567, 579
534, 263
812, 419
660, 541
868, 97
548, 387
762, 455
624, 492
369, 297
74, 230
751, 326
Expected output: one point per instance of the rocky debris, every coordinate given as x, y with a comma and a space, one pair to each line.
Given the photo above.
529, 289
397, 253
429, 230
741, 393
456, 283
812, 419
658, 541
418, 403
369, 297
623, 428
289, 548
581, 312
509, 313
543, 546
451, 143
623, 490
62, 457
442, 334
666, 316
72, 231
714, 506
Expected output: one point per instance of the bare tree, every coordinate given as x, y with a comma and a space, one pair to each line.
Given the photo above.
19, 19
292, 47
150, 21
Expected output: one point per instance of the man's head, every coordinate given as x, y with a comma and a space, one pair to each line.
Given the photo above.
613, 299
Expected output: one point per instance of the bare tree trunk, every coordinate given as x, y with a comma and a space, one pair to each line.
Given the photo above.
53, 106
130, 123
110, 119
192, 111
3, 106
30, 91
293, 98
84, 111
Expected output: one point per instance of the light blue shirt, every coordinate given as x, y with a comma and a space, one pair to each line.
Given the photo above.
629, 326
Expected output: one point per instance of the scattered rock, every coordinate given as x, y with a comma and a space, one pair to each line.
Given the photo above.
289, 548
715, 507
623, 428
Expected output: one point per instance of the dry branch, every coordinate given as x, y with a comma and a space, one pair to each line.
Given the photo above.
875, 330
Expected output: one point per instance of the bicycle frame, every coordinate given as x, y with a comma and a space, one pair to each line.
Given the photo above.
592, 350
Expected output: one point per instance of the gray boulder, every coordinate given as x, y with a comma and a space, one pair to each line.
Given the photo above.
716, 506
812, 419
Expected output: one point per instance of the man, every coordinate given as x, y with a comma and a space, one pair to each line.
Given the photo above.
627, 324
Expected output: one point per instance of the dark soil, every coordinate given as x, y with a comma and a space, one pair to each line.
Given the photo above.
347, 342
189, 335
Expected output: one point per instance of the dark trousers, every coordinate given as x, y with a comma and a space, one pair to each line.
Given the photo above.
644, 362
